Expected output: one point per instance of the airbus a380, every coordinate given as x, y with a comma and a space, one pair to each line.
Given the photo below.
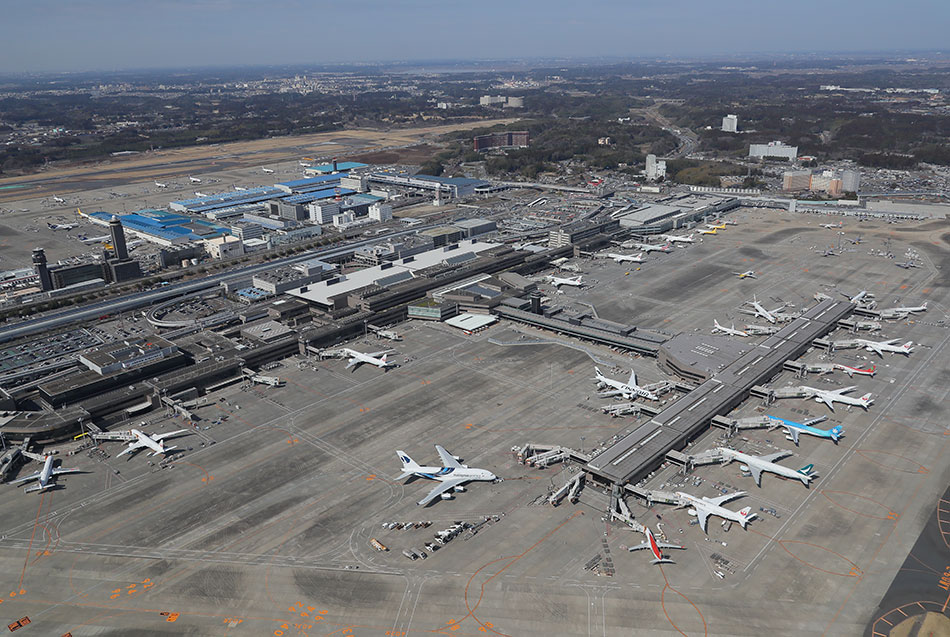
757, 464
451, 475
618, 388
793, 429
654, 546
832, 396
45, 476
703, 507
372, 358
139, 440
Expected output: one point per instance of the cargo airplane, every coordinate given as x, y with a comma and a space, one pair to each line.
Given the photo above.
654, 546
45, 477
138, 440
702, 231
757, 464
713, 226
748, 274
451, 475
372, 358
703, 507
794, 429
628, 390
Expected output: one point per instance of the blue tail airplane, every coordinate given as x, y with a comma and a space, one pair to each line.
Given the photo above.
793, 429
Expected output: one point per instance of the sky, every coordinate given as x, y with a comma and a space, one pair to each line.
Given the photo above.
89, 35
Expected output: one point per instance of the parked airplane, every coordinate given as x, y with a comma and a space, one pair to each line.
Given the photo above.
61, 226
559, 281
267, 171
729, 331
879, 347
138, 440
91, 240
703, 507
902, 312
760, 330
794, 429
654, 546
701, 231
373, 358
758, 310
851, 371
832, 226
647, 247
672, 238
45, 476
757, 464
621, 258
452, 474
860, 297
713, 226
628, 390
58, 199
161, 185
830, 397
240, 188
748, 274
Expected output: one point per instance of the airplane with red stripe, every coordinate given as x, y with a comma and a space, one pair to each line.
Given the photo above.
655, 547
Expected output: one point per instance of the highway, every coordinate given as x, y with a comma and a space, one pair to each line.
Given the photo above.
148, 297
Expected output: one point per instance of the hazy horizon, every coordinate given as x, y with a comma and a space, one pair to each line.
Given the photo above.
104, 35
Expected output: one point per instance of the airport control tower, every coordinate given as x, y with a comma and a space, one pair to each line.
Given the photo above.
39, 263
119, 248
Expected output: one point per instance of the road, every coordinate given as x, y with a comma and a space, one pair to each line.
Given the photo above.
687, 139
142, 299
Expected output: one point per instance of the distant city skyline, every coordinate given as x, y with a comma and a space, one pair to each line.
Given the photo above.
88, 35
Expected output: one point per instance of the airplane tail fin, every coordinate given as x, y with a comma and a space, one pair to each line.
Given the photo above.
837, 431
866, 400
808, 470
385, 356
745, 515
408, 464
907, 346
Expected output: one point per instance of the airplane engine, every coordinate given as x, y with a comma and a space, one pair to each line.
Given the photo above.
459, 488
447, 496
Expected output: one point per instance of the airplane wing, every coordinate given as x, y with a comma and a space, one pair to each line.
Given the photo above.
447, 459
702, 514
772, 457
844, 390
756, 474
353, 362
133, 447
633, 378
874, 347
170, 434
724, 498
439, 489
57, 472
35, 476
793, 432
377, 354
612, 392
662, 545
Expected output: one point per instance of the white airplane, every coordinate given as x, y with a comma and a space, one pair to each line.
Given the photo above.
200, 194
729, 331
139, 440
304, 164
451, 475
195, 180
267, 171
373, 358
649, 247
703, 507
758, 310
58, 199
879, 347
61, 226
672, 238
91, 240
748, 274
701, 231
830, 397
559, 281
902, 312
757, 464
859, 297
628, 390
134, 243
832, 226
760, 330
716, 226
654, 546
45, 476
621, 258
240, 188
161, 185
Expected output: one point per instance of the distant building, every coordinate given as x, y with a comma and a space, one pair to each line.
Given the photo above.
225, 247
826, 182
492, 100
655, 168
604, 141
850, 180
515, 102
801, 180
380, 212
322, 211
773, 149
730, 124
793, 180
508, 139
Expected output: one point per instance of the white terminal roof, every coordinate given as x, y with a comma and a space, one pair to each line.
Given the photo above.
471, 322
390, 273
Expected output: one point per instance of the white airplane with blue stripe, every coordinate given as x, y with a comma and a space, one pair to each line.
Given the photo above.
451, 475
793, 429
